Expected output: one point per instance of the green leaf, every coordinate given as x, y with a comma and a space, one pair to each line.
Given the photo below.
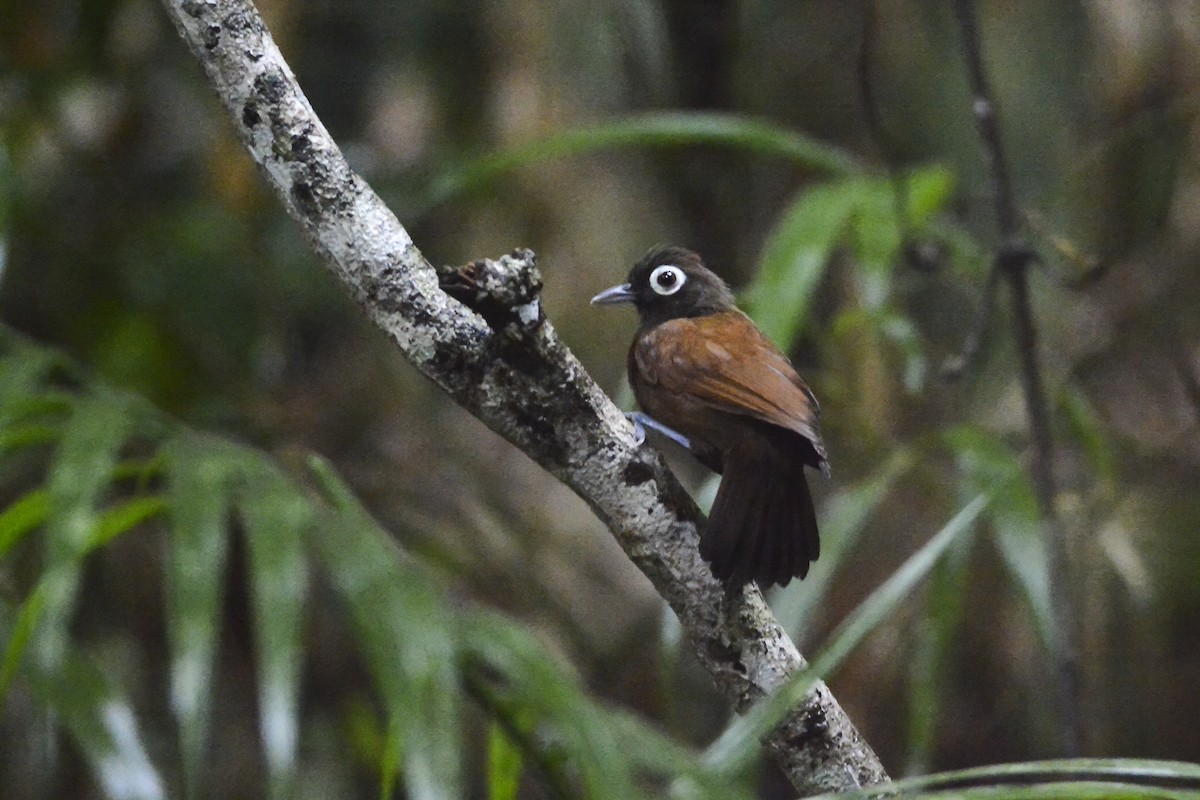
18, 437
902, 333
412, 650
872, 328
986, 461
79, 477
738, 745
41, 403
927, 192
877, 236
1068, 779
505, 764
124, 517
875, 240
411, 643
672, 129
933, 653
103, 725
1088, 428
277, 517
30, 511
610, 752
22, 372
17, 640
30, 414
654, 753
199, 478
796, 255
98, 718
1023, 547
526, 679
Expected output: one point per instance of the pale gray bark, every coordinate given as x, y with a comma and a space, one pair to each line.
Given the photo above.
501, 359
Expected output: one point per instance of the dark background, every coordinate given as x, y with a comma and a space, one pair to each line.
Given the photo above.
137, 238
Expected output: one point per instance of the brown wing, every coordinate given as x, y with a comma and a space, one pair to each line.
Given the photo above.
724, 361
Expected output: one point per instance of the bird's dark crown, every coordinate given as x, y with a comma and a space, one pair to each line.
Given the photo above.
702, 293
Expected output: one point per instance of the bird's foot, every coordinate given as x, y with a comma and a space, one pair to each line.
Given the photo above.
639, 431
642, 421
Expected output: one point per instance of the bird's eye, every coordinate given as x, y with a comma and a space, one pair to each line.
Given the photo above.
667, 279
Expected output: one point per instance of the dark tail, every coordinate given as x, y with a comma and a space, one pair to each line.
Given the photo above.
763, 526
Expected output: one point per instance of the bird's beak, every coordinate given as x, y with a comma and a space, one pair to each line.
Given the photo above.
617, 294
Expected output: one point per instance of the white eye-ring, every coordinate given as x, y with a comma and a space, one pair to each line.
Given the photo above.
667, 279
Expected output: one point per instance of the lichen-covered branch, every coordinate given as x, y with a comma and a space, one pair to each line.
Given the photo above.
479, 333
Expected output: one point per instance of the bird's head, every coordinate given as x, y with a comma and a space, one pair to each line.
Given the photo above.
668, 283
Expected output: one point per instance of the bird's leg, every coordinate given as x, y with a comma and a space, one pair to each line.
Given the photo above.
704, 453
642, 421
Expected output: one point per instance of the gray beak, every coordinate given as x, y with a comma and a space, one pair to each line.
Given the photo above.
617, 294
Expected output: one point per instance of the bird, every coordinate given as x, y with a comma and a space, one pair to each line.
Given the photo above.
705, 376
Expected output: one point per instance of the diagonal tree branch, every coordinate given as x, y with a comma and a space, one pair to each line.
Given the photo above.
496, 355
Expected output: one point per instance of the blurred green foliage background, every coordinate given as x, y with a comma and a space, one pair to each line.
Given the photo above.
139, 247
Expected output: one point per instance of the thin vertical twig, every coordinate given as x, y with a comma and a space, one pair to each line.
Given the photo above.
874, 117
1013, 258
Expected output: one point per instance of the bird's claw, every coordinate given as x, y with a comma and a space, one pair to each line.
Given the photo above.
639, 431
642, 421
